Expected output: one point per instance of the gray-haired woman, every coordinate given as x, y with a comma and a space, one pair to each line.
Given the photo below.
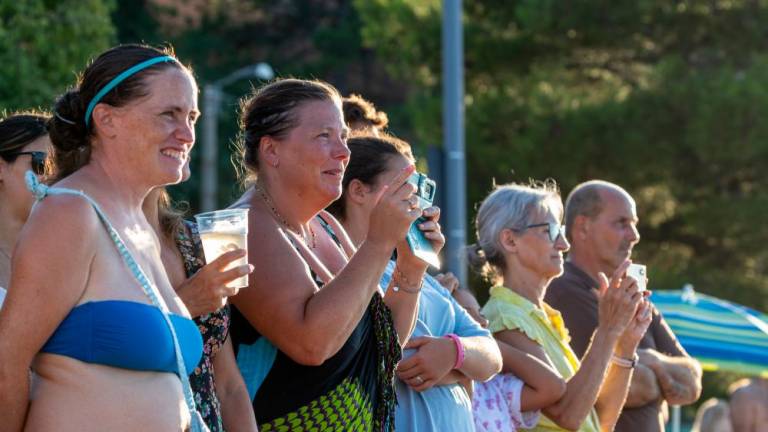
520, 246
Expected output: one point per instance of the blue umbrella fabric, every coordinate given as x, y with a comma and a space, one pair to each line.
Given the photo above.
721, 335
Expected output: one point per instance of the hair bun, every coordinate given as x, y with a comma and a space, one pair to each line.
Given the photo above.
67, 128
476, 256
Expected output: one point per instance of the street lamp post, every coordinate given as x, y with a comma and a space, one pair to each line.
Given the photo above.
212, 96
454, 170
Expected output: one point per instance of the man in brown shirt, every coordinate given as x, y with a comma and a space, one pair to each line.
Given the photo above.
601, 225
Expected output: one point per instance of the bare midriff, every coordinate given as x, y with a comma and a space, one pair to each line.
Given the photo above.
70, 395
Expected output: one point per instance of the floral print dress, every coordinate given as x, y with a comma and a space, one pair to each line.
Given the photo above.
214, 327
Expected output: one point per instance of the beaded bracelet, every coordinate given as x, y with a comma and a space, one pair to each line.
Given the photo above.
459, 350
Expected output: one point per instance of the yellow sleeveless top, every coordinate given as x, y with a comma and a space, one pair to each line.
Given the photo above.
507, 310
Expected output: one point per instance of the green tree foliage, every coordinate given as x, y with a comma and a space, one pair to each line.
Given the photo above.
664, 98
43, 44
303, 38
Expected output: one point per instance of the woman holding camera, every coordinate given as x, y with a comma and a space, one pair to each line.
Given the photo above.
520, 246
315, 296
447, 346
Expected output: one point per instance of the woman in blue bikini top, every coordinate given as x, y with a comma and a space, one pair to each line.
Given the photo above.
89, 308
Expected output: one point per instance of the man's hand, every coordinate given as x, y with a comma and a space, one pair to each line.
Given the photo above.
679, 378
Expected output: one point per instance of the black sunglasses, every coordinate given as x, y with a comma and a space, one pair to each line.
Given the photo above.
38, 160
554, 230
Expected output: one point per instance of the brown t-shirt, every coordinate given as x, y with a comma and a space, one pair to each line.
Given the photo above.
572, 294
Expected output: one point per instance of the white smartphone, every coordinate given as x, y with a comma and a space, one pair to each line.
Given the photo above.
638, 271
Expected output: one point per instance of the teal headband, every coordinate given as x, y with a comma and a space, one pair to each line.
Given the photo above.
120, 78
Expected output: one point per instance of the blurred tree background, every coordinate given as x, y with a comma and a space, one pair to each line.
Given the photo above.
44, 43
663, 97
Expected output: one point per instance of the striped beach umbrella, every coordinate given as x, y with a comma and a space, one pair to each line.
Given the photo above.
721, 335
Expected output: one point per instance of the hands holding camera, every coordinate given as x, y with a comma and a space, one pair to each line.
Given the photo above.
397, 208
623, 309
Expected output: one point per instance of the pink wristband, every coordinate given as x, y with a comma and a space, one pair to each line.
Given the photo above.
459, 350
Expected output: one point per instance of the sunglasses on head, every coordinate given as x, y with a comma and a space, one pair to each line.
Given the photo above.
554, 230
38, 159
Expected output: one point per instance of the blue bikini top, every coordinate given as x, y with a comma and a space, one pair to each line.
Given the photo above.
126, 334
131, 328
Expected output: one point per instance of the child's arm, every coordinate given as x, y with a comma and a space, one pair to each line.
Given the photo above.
543, 386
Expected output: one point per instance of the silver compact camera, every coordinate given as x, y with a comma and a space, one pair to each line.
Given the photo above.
425, 192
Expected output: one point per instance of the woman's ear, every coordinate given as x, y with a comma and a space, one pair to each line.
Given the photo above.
358, 191
103, 119
508, 241
268, 151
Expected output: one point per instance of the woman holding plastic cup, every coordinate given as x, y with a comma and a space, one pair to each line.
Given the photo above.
313, 297
220, 394
90, 308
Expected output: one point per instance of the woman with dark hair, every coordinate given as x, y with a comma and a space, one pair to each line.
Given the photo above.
315, 299
447, 346
90, 308
24, 146
361, 115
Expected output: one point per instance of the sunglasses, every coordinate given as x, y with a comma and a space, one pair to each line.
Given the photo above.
554, 230
38, 160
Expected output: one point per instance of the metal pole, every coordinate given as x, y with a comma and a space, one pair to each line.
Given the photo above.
453, 130
209, 167
212, 96
675, 418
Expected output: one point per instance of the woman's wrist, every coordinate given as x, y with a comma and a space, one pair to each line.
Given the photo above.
607, 336
459, 350
378, 247
408, 283
625, 350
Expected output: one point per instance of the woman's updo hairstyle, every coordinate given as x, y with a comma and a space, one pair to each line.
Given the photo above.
368, 159
70, 135
271, 111
509, 206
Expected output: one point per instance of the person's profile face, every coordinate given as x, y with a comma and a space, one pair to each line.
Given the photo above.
537, 250
314, 155
613, 231
157, 132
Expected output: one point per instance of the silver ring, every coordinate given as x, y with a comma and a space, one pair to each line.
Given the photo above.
419, 381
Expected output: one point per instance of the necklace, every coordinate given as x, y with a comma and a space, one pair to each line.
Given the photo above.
276, 214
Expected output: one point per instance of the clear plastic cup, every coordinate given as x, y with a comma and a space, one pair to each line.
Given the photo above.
222, 231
